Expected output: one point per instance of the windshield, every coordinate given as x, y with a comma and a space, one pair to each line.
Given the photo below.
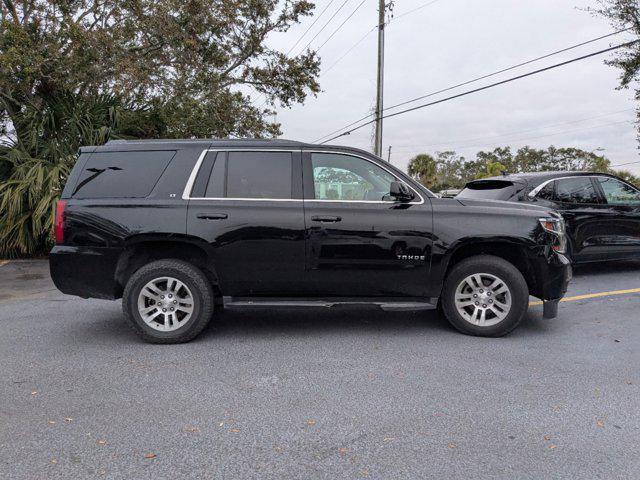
488, 190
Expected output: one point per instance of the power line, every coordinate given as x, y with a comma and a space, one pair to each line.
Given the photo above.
415, 9
349, 50
340, 26
325, 25
477, 139
310, 27
563, 132
623, 164
486, 87
480, 78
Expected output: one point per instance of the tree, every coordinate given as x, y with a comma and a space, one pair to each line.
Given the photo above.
78, 72
449, 170
423, 167
190, 60
625, 14
42, 161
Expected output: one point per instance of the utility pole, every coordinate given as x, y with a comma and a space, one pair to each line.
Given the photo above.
379, 91
389, 155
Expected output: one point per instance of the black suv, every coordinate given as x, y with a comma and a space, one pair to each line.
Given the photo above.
178, 228
601, 211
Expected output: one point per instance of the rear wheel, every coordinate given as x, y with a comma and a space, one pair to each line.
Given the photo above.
168, 301
485, 296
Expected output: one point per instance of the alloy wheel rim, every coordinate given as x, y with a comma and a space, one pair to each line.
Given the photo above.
165, 304
483, 299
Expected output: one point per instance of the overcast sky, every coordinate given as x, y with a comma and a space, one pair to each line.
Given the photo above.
449, 42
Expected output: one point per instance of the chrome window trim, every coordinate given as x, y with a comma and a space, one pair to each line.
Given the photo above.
535, 191
196, 168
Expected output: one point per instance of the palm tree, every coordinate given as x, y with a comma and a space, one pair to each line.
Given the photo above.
424, 168
40, 157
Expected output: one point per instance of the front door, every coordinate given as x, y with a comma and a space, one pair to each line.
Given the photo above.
361, 242
248, 206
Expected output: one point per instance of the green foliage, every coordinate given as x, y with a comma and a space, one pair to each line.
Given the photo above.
448, 170
424, 168
80, 72
42, 157
625, 14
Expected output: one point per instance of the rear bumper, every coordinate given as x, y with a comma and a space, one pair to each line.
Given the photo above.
87, 272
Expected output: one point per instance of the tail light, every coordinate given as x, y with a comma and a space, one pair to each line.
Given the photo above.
556, 227
59, 221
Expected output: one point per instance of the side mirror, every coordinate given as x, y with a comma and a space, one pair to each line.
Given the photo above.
401, 192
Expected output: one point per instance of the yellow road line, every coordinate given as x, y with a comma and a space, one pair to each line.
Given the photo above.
594, 295
3, 262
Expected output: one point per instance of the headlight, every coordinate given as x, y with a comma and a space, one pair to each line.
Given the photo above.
555, 226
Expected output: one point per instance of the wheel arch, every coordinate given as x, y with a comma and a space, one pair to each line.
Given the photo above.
142, 249
515, 251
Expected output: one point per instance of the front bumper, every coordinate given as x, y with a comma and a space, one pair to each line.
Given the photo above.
553, 277
88, 272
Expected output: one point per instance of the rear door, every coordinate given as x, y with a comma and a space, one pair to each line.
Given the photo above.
247, 204
361, 242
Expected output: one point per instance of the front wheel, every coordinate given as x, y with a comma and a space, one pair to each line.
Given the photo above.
485, 296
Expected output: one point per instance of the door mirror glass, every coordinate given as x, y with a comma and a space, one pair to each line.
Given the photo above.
400, 191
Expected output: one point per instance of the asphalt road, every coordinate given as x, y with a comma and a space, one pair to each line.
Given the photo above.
319, 394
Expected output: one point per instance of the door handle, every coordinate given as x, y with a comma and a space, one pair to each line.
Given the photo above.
326, 218
213, 216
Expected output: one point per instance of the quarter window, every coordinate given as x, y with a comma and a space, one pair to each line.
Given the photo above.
547, 192
576, 190
121, 174
257, 175
348, 178
617, 192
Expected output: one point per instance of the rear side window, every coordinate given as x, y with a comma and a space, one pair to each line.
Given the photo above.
488, 190
258, 175
547, 192
576, 190
121, 174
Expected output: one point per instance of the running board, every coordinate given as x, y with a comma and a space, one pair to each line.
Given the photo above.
383, 303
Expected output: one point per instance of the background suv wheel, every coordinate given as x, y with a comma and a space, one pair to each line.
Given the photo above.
168, 301
485, 296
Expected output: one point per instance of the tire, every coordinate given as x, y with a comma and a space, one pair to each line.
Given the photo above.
188, 311
497, 320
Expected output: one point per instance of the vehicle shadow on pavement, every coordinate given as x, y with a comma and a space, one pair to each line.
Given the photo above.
241, 325
606, 268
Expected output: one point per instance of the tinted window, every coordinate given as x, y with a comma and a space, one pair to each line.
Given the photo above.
259, 175
617, 192
488, 190
345, 177
121, 174
576, 190
547, 192
200, 184
215, 187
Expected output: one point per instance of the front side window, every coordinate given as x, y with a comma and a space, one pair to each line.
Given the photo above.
576, 190
348, 178
617, 192
257, 175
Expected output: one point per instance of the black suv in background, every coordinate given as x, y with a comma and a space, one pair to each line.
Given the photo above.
601, 211
178, 228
